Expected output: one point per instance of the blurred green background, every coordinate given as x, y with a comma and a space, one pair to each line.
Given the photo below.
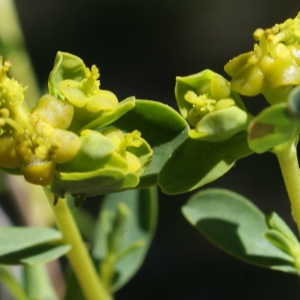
139, 47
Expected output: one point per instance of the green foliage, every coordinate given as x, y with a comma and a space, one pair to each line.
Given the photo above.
282, 237
20, 245
195, 163
234, 224
124, 231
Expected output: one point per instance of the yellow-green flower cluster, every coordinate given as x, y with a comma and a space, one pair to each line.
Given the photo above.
55, 136
210, 106
88, 99
273, 67
33, 142
211, 97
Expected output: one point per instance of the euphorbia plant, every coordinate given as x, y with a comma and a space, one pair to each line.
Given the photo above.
80, 141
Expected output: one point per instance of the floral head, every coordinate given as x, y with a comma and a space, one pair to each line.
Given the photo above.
207, 102
67, 137
273, 67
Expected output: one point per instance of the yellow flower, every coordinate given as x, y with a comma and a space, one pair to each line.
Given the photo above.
33, 142
273, 67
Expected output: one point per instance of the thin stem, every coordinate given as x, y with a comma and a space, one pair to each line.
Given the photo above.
288, 161
78, 256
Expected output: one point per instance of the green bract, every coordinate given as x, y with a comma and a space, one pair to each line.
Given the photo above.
207, 102
273, 67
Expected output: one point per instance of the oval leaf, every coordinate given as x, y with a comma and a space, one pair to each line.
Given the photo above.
234, 224
196, 163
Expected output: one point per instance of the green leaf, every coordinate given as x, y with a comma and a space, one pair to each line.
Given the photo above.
282, 237
37, 283
124, 231
42, 254
7, 277
272, 127
21, 245
161, 126
195, 163
275, 222
234, 224
281, 242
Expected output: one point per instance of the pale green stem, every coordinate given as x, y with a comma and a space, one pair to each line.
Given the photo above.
91, 285
288, 161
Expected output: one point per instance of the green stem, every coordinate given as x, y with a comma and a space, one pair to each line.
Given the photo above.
288, 161
90, 283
